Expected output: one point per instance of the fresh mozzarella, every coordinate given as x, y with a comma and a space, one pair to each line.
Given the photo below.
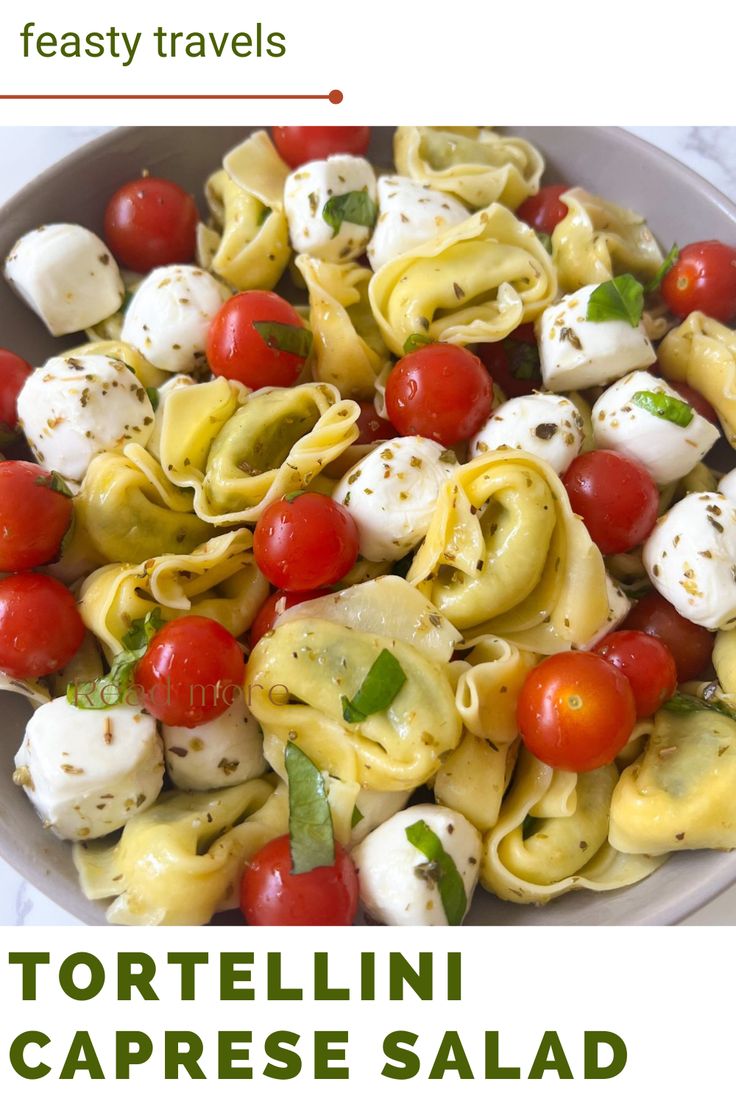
409, 214
690, 558
391, 493
222, 752
618, 608
727, 485
87, 771
308, 190
548, 426
397, 882
667, 450
66, 275
575, 353
75, 407
170, 314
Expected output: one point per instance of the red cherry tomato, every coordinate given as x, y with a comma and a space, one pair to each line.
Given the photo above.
192, 672
300, 144
514, 362
371, 426
271, 895
14, 371
306, 543
698, 402
33, 516
40, 628
544, 210
151, 222
646, 662
439, 391
575, 711
703, 278
615, 496
691, 645
275, 605
237, 350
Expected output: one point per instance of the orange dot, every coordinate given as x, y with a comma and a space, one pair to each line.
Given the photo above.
335, 96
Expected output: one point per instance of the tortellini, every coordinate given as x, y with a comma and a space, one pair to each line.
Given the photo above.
702, 353
121, 350
506, 555
240, 451
473, 163
348, 349
597, 240
477, 281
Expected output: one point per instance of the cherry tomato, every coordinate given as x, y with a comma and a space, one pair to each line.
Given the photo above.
40, 628
14, 371
300, 144
646, 662
33, 516
237, 350
703, 278
275, 605
306, 543
691, 645
371, 426
439, 391
544, 210
698, 402
192, 672
615, 496
575, 711
514, 362
271, 895
151, 222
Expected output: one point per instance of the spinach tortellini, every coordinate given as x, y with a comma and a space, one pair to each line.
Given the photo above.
702, 353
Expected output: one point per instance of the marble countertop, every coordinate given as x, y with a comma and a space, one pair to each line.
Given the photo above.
711, 151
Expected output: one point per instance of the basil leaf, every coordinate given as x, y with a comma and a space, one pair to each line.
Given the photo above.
54, 482
445, 873
620, 299
416, 341
285, 338
311, 838
690, 703
356, 817
664, 268
664, 406
379, 688
355, 207
154, 397
545, 239
523, 359
111, 689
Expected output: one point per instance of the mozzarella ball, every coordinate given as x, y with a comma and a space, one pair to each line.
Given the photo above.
88, 771
575, 353
548, 426
398, 884
66, 275
391, 493
306, 192
409, 214
75, 407
618, 608
222, 752
668, 451
690, 558
727, 485
170, 314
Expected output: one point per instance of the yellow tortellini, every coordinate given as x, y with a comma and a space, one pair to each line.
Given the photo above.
299, 674
131, 511
477, 281
348, 349
121, 350
679, 795
218, 580
240, 451
702, 353
505, 555
724, 659
181, 860
597, 240
250, 247
473, 779
473, 163
488, 686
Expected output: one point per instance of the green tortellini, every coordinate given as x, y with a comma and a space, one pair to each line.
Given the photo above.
702, 353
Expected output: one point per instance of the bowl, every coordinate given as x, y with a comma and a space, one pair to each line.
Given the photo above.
679, 205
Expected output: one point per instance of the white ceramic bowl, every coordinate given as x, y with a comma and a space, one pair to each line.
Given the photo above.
679, 206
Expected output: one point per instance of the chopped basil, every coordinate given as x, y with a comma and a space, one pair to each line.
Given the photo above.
664, 406
55, 482
523, 359
355, 207
379, 688
416, 341
154, 397
110, 689
356, 817
664, 268
445, 872
285, 338
620, 299
311, 837
545, 239
690, 703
